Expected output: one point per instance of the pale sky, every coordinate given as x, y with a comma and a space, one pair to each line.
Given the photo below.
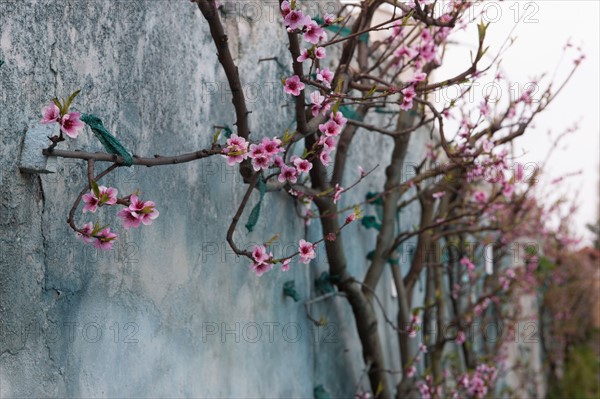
541, 35
543, 28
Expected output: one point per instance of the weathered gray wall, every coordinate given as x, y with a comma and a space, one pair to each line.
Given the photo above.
149, 69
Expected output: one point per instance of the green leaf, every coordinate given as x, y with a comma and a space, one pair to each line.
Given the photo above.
370, 255
255, 213
59, 105
335, 107
1, 62
370, 93
379, 388
394, 261
350, 113
320, 393
228, 131
289, 290
70, 100
370, 222
108, 141
216, 136
323, 283
95, 188
370, 195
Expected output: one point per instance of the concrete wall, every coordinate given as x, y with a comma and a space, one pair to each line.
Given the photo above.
137, 321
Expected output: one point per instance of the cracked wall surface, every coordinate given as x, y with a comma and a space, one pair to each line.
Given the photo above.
171, 311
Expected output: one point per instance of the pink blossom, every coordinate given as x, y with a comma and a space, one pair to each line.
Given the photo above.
320, 53
324, 75
105, 239
508, 189
51, 114
303, 165
130, 218
428, 51
350, 218
307, 251
488, 145
257, 150
408, 92
322, 108
467, 263
411, 371
426, 35
285, 7
295, 19
406, 104
338, 118
261, 268
304, 55
259, 253
510, 273
405, 52
317, 100
407, 99
460, 338
145, 209
278, 161
285, 266
261, 162
419, 77
86, 232
439, 194
313, 32
329, 19
272, 146
108, 196
330, 128
422, 348
484, 108
363, 395
337, 193
293, 85
236, 150
325, 157
328, 142
71, 125
519, 172
288, 173
415, 319
91, 202
480, 196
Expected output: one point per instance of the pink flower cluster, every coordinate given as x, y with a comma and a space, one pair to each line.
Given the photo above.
69, 123
307, 251
295, 20
467, 263
263, 260
330, 130
236, 150
427, 388
479, 383
413, 326
507, 279
101, 238
136, 213
106, 196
